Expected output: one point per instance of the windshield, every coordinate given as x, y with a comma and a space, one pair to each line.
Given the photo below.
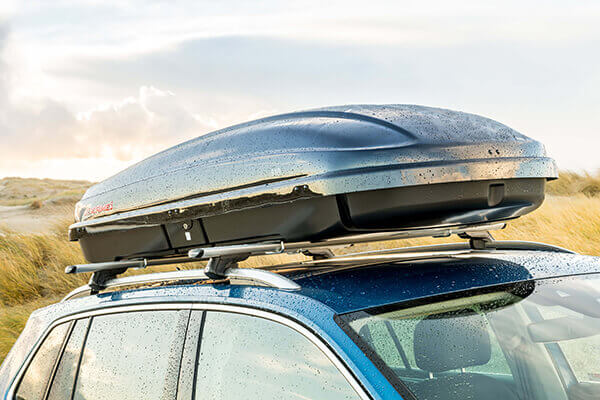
530, 340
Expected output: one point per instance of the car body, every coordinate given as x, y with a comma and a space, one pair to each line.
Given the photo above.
328, 291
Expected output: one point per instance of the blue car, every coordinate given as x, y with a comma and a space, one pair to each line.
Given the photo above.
515, 320
479, 319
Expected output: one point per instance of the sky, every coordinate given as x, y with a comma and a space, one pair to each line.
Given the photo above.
88, 87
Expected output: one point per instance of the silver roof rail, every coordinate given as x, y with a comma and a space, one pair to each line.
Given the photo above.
491, 245
234, 275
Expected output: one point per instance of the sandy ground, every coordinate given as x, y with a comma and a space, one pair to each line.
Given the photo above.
23, 219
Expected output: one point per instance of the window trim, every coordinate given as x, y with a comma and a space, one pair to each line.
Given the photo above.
269, 315
304, 331
19, 377
88, 325
58, 359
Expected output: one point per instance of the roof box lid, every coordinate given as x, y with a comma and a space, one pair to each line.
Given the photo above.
313, 154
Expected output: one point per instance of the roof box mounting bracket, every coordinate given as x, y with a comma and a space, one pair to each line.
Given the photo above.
478, 240
217, 267
319, 254
100, 278
221, 258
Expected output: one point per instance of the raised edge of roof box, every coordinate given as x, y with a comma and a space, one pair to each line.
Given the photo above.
314, 175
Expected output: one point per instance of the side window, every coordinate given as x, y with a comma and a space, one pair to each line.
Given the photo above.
245, 357
35, 380
64, 377
133, 355
393, 342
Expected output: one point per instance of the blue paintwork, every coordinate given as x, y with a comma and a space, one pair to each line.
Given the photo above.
324, 295
350, 290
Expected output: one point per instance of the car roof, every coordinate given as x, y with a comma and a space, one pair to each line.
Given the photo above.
354, 288
365, 283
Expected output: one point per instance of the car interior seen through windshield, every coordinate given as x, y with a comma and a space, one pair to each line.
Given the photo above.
530, 340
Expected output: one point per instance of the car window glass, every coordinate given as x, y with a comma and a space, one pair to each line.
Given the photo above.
35, 380
397, 350
64, 378
393, 342
582, 353
133, 355
245, 357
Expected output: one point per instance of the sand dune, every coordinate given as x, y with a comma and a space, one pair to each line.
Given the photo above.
24, 219
29, 205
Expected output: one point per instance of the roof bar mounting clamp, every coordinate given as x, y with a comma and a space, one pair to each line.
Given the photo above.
221, 258
105, 271
478, 240
217, 266
319, 254
99, 279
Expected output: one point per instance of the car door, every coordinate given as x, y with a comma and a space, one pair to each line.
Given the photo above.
236, 353
110, 355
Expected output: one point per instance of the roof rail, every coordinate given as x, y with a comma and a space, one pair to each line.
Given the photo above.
223, 258
491, 245
234, 275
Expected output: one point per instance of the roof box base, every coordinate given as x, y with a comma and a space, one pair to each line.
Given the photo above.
444, 204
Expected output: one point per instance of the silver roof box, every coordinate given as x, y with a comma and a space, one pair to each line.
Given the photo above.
314, 175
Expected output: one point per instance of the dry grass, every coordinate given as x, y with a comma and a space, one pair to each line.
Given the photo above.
572, 183
13, 319
36, 204
571, 222
32, 266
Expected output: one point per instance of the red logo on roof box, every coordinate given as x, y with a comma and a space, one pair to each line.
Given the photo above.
98, 209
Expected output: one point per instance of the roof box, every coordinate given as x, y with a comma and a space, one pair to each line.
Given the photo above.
314, 175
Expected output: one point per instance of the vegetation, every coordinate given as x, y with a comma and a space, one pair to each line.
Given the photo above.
572, 183
32, 266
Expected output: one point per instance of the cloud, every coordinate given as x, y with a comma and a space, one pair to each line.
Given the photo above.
45, 133
106, 83
34, 129
129, 129
136, 126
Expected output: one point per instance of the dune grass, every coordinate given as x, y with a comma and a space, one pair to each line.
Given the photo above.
13, 319
32, 266
573, 183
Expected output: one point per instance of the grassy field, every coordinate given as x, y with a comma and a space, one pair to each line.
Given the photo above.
32, 265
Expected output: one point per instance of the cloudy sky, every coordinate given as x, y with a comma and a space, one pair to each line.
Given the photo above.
88, 87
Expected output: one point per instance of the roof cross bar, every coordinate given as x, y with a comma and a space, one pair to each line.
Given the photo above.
222, 258
236, 275
105, 271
